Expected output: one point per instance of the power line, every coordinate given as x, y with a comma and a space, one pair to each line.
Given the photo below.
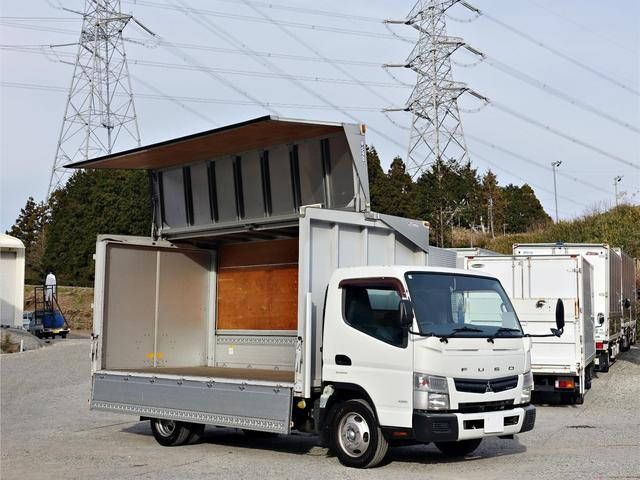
248, 18
536, 163
561, 134
515, 175
557, 52
534, 82
221, 101
221, 33
584, 27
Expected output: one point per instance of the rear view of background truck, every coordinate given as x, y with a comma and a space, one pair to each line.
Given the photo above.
272, 299
564, 364
613, 311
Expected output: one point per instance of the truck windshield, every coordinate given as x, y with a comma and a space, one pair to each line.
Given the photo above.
444, 303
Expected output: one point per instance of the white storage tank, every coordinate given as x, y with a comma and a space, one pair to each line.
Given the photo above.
11, 281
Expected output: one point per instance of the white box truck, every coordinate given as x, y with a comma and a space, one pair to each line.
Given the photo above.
607, 308
248, 309
562, 364
463, 252
628, 300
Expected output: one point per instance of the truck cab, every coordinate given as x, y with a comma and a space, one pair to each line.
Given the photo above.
428, 355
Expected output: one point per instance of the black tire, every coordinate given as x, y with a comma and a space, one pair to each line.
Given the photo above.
605, 363
63, 335
170, 433
356, 437
588, 375
625, 344
578, 398
256, 435
197, 433
460, 448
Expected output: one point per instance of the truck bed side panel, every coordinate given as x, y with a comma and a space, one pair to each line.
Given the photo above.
256, 407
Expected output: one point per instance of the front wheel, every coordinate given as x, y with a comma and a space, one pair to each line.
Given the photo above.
460, 448
171, 433
356, 437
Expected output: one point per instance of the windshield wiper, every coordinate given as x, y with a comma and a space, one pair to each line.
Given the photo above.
501, 330
425, 334
455, 331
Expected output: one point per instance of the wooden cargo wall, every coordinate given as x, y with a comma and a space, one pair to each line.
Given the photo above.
258, 286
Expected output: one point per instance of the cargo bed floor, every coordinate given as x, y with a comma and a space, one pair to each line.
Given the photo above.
219, 372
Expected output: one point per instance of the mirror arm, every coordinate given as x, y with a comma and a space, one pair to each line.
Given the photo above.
554, 333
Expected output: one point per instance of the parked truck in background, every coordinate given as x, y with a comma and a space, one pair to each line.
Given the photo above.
607, 307
251, 309
628, 303
559, 364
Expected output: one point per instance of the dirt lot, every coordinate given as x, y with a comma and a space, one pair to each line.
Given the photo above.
75, 303
48, 432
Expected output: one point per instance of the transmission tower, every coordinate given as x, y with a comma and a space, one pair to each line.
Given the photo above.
100, 112
436, 128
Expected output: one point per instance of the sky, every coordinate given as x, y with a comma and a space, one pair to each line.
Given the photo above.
591, 40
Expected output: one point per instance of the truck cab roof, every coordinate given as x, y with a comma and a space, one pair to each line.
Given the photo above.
399, 271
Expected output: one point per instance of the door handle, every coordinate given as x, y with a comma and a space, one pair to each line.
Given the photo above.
343, 360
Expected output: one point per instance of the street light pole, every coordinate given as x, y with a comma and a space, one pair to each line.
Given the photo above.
617, 179
555, 165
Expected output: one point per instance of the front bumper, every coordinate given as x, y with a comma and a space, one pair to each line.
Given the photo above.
450, 427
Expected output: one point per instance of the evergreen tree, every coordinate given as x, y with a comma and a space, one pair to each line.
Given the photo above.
398, 198
492, 203
377, 181
30, 229
523, 210
94, 202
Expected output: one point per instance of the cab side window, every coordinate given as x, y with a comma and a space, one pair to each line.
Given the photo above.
374, 311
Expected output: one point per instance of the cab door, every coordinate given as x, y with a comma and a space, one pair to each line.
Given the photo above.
365, 346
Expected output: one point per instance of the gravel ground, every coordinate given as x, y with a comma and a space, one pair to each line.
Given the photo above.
48, 432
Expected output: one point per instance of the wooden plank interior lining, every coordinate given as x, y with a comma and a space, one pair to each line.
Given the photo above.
272, 252
258, 286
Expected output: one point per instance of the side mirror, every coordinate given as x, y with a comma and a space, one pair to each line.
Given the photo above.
559, 318
406, 314
626, 304
600, 319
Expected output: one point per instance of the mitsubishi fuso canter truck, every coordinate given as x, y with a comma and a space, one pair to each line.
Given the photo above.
607, 292
269, 298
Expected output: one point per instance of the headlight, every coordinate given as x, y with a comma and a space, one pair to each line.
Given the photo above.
527, 387
430, 392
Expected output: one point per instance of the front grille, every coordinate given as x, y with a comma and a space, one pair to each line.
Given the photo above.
485, 386
479, 407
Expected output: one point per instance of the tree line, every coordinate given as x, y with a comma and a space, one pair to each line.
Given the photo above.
452, 195
60, 235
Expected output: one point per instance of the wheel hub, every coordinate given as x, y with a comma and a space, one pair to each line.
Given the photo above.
354, 435
166, 427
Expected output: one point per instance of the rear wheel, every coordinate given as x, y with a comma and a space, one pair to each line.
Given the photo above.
625, 344
459, 449
604, 363
171, 433
356, 437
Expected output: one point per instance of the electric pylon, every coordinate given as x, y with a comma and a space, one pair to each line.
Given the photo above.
100, 112
436, 128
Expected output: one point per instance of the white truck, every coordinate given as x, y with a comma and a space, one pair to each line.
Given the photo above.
248, 309
628, 300
563, 364
607, 306
463, 252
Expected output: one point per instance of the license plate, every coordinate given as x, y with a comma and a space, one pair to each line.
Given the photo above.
494, 423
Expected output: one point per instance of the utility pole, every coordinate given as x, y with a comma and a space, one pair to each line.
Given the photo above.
555, 165
617, 179
490, 217
100, 112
